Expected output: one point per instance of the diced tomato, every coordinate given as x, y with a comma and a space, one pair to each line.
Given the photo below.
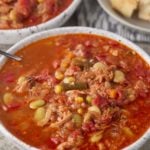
76, 133
139, 70
12, 106
43, 76
99, 101
88, 53
119, 95
101, 57
8, 77
143, 94
113, 43
56, 64
89, 127
4, 108
88, 43
24, 7
54, 140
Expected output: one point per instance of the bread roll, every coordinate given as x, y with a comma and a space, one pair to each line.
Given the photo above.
144, 10
125, 7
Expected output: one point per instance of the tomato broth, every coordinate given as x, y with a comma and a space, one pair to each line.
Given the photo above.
76, 91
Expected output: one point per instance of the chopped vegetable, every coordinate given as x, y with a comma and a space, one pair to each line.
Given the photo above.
69, 80
112, 93
8, 98
75, 86
59, 75
101, 146
81, 62
80, 111
119, 77
87, 117
21, 80
94, 109
13, 15
36, 104
127, 131
96, 137
89, 99
65, 63
114, 52
99, 66
79, 99
77, 119
58, 89
39, 114
130, 94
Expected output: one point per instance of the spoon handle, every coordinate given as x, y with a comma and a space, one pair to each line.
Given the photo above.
10, 56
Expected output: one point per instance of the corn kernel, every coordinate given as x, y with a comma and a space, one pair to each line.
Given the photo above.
69, 80
89, 99
79, 99
80, 111
59, 75
58, 89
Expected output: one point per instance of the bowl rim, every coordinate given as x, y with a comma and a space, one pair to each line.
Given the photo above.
74, 30
121, 20
49, 22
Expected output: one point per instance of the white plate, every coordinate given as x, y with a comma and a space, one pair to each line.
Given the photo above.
133, 22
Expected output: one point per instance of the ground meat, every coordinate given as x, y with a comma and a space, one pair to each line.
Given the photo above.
24, 7
4, 8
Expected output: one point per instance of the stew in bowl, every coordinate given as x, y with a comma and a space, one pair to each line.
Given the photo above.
15, 14
76, 91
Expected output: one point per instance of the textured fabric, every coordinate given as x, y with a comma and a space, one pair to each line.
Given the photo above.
91, 14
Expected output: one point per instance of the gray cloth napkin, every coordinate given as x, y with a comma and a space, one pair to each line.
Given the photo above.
91, 14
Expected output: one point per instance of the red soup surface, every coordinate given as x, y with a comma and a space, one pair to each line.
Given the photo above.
16, 14
76, 92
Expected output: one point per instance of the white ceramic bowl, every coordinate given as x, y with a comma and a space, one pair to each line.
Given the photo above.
14, 35
133, 22
73, 30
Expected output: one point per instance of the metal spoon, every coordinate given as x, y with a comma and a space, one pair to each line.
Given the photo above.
10, 56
